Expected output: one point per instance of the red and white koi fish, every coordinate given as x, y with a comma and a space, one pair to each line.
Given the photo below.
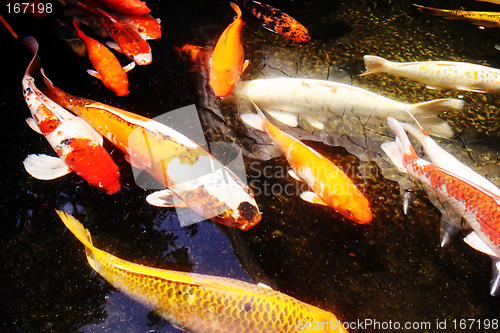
440, 74
109, 70
220, 196
74, 141
136, 7
331, 185
127, 40
477, 205
228, 60
146, 25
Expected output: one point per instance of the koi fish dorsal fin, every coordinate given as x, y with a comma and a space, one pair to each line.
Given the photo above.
32, 45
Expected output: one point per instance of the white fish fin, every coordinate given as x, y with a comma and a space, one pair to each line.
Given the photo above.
45, 167
129, 67
314, 122
449, 227
287, 118
477, 243
253, 120
164, 198
245, 65
260, 284
495, 277
426, 114
94, 73
294, 175
158, 20
433, 87
393, 150
144, 35
34, 126
312, 198
265, 26
374, 64
114, 46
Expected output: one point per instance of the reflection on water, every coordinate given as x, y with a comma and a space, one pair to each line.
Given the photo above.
392, 269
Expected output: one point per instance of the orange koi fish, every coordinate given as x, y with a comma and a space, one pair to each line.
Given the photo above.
146, 25
109, 70
228, 60
199, 56
277, 21
142, 139
127, 40
204, 303
478, 206
135, 7
331, 186
73, 140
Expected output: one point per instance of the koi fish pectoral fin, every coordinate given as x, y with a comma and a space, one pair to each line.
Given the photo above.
129, 67
114, 46
165, 198
45, 167
94, 74
312, 198
294, 175
34, 126
245, 65
393, 150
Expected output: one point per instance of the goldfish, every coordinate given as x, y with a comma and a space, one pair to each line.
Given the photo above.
440, 74
477, 205
486, 19
330, 185
228, 60
143, 139
198, 56
146, 25
135, 7
204, 303
77, 146
127, 40
315, 101
277, 21
109, 70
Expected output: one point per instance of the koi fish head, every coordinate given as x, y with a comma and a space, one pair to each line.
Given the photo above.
143, 58
357, 210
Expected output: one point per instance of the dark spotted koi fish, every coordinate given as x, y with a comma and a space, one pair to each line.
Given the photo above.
73, 140
277, 21
478, 206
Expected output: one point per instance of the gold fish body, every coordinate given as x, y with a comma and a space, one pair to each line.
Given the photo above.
487, 19
203, 303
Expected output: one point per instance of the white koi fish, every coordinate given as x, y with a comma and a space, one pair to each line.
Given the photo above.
77, 144
440, 74
315, 101
478, 206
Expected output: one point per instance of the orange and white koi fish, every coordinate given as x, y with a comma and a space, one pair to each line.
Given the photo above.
228, 60
278, 21
136, 7
198, 56
146, 25
109, 70
127, 40
204, 303
440, 74
477, 205
76, 144
331, 185
220, 196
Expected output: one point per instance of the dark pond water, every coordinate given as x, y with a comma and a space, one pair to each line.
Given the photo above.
392, 270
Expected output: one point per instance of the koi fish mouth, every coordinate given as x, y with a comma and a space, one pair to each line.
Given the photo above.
143, 58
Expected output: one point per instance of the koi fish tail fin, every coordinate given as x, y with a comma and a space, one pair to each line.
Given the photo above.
237, 10
77, 229
427, 115
32, 45
256, 121
375, 64
400, 148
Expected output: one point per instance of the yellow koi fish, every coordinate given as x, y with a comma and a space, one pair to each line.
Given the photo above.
331, 185
204, 303
440, 74
486, 19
